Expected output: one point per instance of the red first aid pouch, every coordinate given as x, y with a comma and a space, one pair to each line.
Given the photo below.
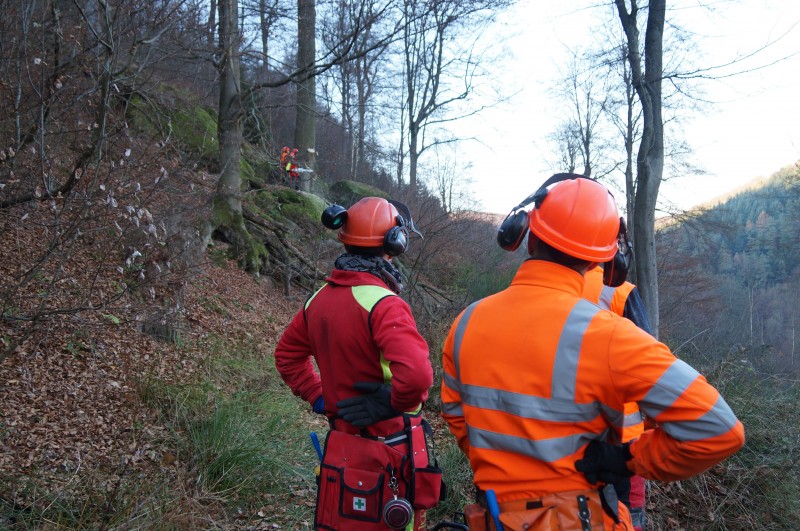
357, 473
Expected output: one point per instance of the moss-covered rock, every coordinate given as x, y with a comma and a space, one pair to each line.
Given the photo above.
262, 168
284, 204
196, 129
248, 173
346, 193
170, 115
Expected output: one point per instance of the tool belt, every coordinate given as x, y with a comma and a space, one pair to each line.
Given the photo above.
581, 510
359, 474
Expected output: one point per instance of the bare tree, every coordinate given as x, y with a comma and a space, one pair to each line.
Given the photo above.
582, 137
442, 63
356, 80
646, 76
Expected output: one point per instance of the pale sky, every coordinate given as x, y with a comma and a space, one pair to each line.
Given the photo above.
753, 131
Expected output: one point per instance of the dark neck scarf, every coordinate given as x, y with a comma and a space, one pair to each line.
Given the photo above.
374, 265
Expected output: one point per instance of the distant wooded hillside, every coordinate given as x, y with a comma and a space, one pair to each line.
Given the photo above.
729, 273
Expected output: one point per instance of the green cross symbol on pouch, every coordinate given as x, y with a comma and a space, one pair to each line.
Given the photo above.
359, 504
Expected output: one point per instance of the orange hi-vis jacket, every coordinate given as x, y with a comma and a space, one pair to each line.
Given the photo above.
614, 299
534, 373
605, 296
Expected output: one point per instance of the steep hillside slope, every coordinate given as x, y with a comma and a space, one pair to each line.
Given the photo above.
71, 405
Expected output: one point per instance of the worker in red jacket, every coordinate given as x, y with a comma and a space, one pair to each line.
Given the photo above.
536, 379
374, 373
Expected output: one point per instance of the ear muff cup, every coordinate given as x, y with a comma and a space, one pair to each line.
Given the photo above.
513, 230
395, 242
516, 225
334, 216
615, 271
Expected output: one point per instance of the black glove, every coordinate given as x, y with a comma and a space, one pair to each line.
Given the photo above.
367, 409
604, 463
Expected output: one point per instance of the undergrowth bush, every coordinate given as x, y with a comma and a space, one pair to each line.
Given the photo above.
758, 487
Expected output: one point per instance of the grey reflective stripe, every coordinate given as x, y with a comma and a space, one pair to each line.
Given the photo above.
613, 416
459, 336
548, 450
716, 422
565, 368
632, 419
668, 388
452, 383
453, 408
606, 294
528, 406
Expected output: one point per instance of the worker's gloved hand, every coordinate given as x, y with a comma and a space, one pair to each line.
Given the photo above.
604, 463
374, 405
319, 406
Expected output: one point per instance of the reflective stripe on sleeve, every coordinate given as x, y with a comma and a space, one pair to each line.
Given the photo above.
718, 421
453, 408
668, 388
452, 383
632, 419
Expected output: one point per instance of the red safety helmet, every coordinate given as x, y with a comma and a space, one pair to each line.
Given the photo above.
285, 149
294, 152
578, 217
368, 221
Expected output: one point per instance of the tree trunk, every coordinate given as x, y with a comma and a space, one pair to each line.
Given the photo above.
229, 129
212, 22
305, 126
228, 219
264, 26
650, 159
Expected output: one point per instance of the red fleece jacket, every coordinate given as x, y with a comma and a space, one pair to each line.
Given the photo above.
354, 340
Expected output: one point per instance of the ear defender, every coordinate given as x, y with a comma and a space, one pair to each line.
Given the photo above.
515, 226
334, 216
513, 230
615, 271
395, 241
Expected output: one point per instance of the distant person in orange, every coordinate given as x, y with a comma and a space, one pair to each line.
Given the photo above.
536, 379
606, 286
291, 170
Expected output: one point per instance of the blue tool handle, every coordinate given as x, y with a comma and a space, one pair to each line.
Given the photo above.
494, 508
317, 447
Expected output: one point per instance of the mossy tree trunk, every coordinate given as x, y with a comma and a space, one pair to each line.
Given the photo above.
228, 220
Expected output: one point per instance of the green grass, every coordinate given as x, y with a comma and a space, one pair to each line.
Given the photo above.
241, 443
242, 447
757, 488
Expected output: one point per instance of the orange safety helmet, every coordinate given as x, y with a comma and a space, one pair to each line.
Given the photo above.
370, 222
578, 217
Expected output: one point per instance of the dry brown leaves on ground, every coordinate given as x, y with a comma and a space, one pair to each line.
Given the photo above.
69, 401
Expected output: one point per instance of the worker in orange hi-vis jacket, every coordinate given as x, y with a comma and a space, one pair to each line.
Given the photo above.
536, 379
624, 300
